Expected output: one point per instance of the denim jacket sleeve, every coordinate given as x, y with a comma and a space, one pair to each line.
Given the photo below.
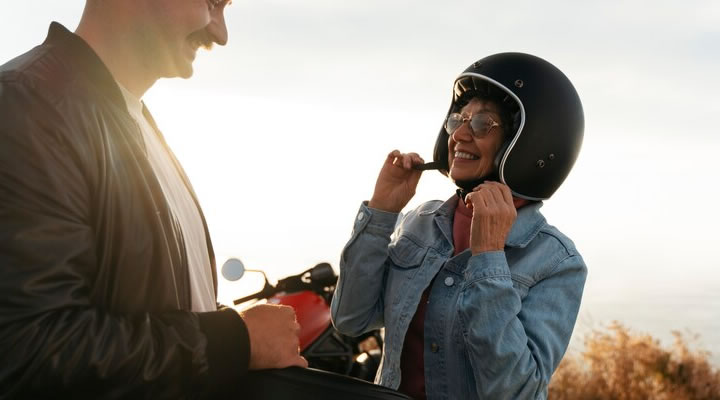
357, 305
515, 344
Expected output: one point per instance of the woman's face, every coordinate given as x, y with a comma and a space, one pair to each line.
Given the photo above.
471, 158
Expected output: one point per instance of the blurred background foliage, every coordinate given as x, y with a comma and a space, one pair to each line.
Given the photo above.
619, 364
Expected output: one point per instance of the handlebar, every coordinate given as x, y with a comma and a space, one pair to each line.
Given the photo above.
315, 279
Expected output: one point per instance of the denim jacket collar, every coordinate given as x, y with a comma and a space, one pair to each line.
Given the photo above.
528, 223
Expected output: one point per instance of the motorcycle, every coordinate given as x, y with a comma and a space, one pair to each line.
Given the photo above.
310, 294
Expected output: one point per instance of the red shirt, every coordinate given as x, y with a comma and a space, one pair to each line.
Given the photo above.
412, 364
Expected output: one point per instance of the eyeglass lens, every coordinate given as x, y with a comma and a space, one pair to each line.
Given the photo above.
480, 124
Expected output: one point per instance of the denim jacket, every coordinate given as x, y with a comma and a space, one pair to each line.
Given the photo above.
497, 323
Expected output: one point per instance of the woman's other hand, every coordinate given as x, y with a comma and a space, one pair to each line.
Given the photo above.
397, 182
493, 215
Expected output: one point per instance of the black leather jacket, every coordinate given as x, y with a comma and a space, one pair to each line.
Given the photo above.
94, 285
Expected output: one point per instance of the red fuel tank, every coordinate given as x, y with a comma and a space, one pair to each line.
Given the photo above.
313, 314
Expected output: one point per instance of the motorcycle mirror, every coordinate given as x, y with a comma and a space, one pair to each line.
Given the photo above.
233, 269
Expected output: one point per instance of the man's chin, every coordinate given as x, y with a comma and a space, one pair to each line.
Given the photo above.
185, 74
180, 71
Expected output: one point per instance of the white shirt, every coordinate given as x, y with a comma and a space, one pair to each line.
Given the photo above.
182, 206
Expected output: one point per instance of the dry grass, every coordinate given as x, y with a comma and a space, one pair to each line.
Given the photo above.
618, 364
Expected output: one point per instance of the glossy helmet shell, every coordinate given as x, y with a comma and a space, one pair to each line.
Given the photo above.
536, 159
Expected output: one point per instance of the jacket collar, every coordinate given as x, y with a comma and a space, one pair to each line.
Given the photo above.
84, 61
528, 223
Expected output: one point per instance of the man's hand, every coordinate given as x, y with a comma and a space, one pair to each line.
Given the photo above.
273, 332
397, 182
493, 215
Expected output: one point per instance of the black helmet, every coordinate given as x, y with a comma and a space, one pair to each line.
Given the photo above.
545, 114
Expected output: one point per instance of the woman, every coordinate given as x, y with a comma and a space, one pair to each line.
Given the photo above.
478, 294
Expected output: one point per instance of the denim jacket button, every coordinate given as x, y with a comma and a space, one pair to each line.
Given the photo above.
434, 347
360, 216
449, 281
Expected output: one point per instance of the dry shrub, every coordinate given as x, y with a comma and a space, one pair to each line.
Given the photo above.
617, 364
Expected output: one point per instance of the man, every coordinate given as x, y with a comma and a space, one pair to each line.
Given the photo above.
107, 274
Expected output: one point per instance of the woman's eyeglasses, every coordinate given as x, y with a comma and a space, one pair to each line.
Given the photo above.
480, 124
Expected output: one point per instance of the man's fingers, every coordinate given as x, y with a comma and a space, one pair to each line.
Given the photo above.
274, 340
295, 361
302, 362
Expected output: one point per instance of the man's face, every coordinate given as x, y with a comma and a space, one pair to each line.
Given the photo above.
171, 31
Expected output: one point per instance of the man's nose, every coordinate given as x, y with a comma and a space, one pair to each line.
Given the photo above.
217, 28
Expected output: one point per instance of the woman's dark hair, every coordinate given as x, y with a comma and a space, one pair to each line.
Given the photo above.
507, 107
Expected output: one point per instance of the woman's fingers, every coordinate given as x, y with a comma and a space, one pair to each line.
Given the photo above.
497, 193
493, 216
404, 160
415, 159
477, 199
396, 182
392, 157
503, 192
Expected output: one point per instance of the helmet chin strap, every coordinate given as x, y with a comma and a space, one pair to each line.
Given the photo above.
466, 186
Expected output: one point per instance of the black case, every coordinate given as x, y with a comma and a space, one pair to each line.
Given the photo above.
311, 384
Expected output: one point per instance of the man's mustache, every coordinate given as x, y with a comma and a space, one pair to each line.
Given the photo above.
203, 37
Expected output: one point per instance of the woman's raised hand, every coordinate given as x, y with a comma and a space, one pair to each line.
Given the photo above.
397, 181
493, 215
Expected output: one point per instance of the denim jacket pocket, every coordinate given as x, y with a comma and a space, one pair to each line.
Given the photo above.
405, 256
405, 253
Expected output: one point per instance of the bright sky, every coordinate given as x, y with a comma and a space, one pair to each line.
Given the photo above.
283, 131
